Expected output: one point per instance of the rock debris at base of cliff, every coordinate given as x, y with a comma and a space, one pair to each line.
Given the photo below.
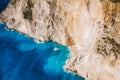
91, 28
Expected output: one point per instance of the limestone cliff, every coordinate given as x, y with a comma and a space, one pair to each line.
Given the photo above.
90, 27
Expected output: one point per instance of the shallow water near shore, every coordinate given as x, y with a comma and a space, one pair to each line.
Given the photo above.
21, 58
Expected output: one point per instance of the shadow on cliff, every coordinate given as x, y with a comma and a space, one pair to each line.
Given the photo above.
115, 1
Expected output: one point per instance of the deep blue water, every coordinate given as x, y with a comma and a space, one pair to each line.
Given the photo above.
21, 58
3, 4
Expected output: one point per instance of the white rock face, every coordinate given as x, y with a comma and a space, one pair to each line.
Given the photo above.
39, 19
91, 28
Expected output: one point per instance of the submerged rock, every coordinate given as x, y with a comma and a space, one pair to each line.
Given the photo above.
90, 27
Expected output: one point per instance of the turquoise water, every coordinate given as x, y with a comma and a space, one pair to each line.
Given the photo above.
21, 58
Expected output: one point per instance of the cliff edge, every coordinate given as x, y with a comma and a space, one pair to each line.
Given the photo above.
91, 28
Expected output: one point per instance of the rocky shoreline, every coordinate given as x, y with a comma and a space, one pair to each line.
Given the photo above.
91, 28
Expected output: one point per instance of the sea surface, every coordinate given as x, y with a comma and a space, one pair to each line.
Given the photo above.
3, 4
21, 58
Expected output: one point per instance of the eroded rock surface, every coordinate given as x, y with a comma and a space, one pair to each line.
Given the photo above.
91, 28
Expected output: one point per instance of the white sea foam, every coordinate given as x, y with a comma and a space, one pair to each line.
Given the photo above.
56, 49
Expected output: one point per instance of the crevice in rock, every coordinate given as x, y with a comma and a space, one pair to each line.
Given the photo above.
27, 12
115, 1
13, 2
